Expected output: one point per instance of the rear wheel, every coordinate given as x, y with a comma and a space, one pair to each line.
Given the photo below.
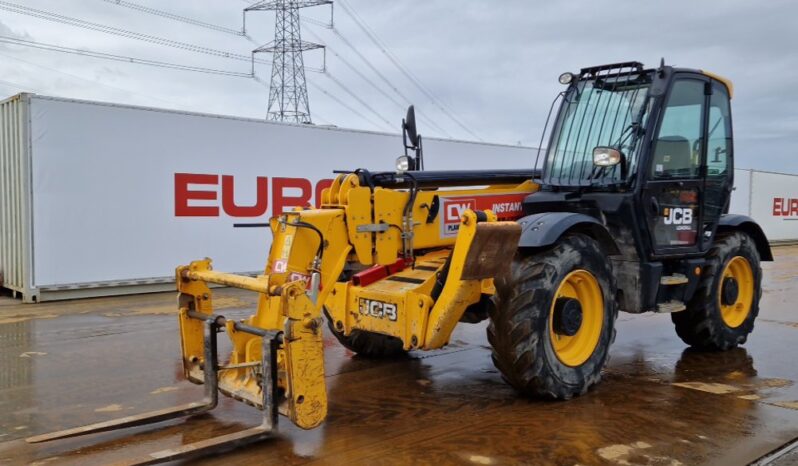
554, 319
721, 314
368, 344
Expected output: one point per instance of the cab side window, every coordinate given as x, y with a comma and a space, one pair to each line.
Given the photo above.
719, 140
677, 151
719, 155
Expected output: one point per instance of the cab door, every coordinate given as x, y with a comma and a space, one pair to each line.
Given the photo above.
674, 193
719, 166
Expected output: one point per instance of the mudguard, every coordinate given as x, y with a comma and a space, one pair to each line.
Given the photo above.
544, 229
744, 223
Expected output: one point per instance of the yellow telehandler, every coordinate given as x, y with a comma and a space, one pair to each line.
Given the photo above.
628, 210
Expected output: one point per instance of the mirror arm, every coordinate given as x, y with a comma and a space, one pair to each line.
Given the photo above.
404, 134
419, 155
624, 168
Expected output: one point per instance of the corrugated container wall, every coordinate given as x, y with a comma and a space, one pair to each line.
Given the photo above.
15, 202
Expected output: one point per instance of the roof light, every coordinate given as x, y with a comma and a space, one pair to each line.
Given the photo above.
566, 78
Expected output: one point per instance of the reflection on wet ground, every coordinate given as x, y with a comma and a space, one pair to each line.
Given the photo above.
68, 364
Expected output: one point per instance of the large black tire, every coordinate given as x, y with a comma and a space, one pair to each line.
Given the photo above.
701, 325
519, 330
368, 344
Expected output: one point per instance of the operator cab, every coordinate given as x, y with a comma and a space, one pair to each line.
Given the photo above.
653, 142
643, 160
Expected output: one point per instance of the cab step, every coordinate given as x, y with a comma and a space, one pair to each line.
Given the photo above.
675, 279
670, 307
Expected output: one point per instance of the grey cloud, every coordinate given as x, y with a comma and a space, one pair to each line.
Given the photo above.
494, 63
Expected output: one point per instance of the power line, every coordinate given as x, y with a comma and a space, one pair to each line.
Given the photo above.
273, 5
408, 74
357, 98
49, 16
371, 66
195, 22
120, 58
19, 86
358, 72
343, 104
331, 96
385, 79
388, 82
175, 17
93, 81
299, 46
127, 59
316, 22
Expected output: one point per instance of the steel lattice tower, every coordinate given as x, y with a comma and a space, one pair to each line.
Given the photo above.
288, 92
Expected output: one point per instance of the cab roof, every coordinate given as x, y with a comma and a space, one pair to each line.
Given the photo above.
725, 81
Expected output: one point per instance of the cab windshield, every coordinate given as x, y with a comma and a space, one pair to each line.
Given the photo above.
609, 111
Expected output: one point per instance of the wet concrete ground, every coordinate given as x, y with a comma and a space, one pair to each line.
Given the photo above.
73, 363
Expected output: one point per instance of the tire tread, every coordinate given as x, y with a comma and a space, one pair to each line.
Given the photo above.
521, 300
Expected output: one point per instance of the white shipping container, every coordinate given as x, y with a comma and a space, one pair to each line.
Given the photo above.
99, 199
774, 204
741, 196
106, 199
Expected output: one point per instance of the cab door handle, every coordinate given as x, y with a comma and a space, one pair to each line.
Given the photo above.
654, 206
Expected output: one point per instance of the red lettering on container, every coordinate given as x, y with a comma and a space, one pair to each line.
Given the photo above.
183, 195
777, 201
232, 209
321, 186
286, 193
785, 207
281, 201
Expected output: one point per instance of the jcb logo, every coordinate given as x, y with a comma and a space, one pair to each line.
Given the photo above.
678, 216
379, 309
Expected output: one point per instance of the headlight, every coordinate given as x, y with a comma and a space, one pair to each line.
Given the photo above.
606, 156
403, 163
566, 78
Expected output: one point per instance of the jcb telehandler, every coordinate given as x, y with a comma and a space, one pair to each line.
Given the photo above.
627, 211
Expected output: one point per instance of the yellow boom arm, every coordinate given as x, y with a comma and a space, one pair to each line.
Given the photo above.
313, 257
403, 263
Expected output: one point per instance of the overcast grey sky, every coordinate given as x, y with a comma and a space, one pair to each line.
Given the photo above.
494, 63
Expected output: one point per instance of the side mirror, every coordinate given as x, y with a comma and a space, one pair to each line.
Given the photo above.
405, 163
604, 156
410, 126
412, 141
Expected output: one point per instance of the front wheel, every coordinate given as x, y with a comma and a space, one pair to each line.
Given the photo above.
722, 311
554, 319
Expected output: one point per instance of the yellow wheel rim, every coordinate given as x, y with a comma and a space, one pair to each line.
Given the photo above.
575, 350
739, 269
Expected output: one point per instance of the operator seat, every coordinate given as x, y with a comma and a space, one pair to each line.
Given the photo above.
672, 157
